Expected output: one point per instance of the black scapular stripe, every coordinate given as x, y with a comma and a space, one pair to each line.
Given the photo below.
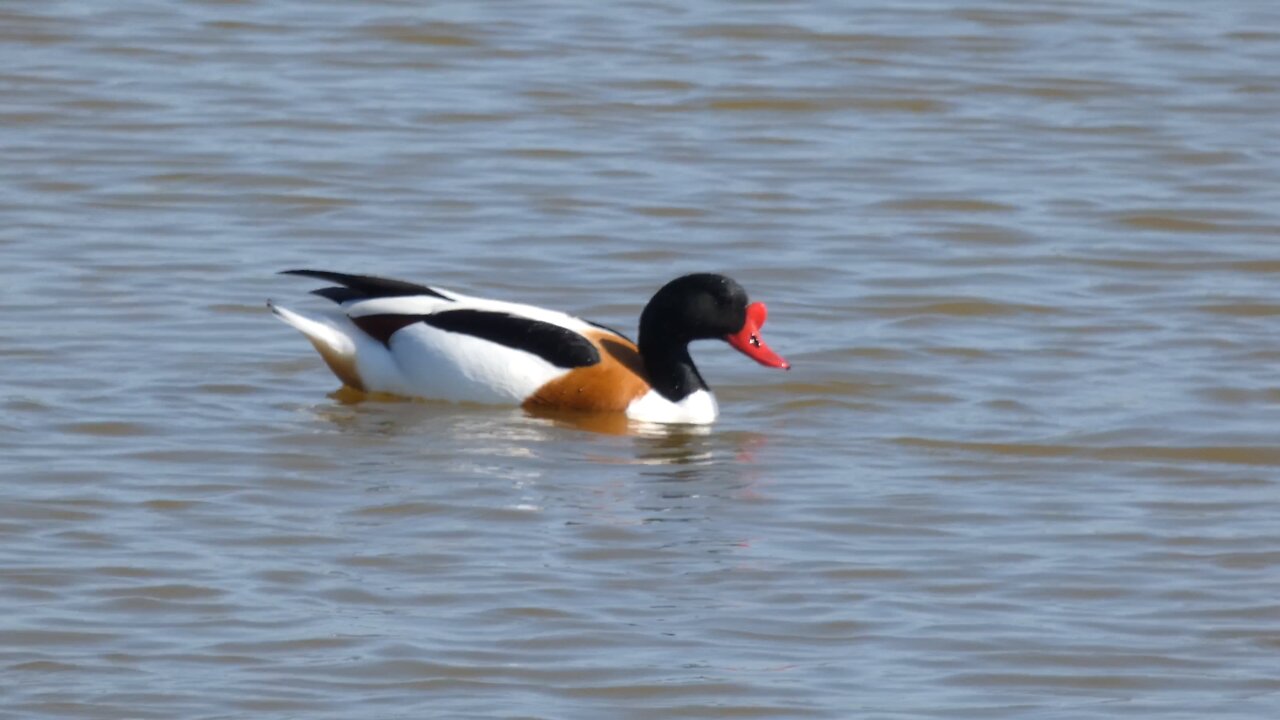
363, 287
559, 346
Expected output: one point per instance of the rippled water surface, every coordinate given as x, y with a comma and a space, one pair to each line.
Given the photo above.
1023, 256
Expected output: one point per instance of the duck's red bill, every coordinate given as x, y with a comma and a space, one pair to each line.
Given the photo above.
748, 342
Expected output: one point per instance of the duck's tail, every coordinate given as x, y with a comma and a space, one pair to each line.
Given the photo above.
336, 347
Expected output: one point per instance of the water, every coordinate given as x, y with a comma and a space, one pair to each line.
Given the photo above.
1022, 256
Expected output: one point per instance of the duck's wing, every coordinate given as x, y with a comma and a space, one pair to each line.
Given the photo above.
382, 307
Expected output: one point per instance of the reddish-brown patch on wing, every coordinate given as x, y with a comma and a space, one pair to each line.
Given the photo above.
608, 386
382, 327
342, 365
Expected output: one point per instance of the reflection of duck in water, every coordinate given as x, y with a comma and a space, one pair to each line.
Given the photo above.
405, 339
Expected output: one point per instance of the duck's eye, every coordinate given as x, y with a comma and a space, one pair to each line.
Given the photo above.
755, 340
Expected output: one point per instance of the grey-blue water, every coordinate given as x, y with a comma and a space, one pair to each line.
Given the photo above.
1023, 257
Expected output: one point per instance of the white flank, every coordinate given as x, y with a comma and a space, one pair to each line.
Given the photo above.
427, 362
444, 365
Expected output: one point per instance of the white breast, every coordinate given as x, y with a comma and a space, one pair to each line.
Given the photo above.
699, 408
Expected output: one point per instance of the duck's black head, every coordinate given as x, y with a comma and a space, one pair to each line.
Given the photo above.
703, 306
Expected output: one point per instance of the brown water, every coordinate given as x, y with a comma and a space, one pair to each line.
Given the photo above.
1023, 256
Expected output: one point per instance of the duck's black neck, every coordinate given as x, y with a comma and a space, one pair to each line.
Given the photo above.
701, 306
670, 368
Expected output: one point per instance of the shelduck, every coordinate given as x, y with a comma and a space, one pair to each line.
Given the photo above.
401, 338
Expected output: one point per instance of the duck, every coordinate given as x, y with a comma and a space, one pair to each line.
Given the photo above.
404, 339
